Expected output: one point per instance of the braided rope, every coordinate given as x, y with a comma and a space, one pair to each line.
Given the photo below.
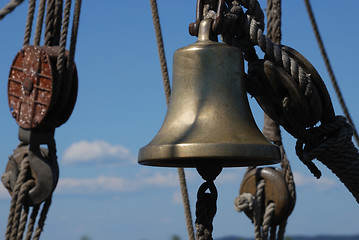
257, 211
30, 18
206, 209
337, 152
49, 26
267, 219
167, 89
161, 51
24, 215
9, 7
254, 204
39, 22
285, 58
271, 129
43, 215
19, 181
75, 27
69, 65
274, 20
25, 187
60, 65
31, 222
57, 22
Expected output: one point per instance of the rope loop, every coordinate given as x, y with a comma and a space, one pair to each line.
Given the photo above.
261, 214
244, 202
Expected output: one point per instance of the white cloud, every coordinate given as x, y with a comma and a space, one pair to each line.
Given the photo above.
323, 183
116, 184
177, 198
96, 151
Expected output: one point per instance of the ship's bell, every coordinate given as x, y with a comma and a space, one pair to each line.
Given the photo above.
208, 118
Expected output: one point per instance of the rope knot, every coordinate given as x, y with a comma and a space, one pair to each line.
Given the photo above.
335, 137
244, 202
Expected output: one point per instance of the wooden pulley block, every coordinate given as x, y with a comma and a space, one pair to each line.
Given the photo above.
275, 191
44, 170
35, 90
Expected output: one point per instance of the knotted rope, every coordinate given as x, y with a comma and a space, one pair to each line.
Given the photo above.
291, 92
261, 217
336, 151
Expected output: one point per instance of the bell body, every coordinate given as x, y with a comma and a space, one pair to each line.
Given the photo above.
208, 118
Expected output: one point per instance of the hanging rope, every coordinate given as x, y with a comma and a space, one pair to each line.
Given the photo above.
161, 51
49, 22
262, 217
167, 88
292, 93
39, 22
271, 129
29, 148
206, 208
57, 21
30, 18
329, 68
19, 210
9, 7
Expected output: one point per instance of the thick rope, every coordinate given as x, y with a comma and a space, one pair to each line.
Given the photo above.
49, 22
337, 152
43, 215
261, 218
257, 212
19, 182
25, 187
31, 222
24, 215
39, 22
286, 59
60, 65
9, 8
206, 208
30, 18
57, 22
329, 68
267, 219
271, 129
167, 88
75, 28
18, 215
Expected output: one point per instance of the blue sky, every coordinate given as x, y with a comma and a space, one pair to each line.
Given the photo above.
103, 193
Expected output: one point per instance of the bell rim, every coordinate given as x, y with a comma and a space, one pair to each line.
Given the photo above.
193, 154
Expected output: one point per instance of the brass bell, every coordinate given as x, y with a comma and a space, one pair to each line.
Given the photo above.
208, 120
